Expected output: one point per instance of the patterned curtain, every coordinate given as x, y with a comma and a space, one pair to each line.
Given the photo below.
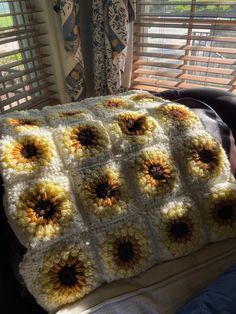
111, 20
110, 35
74, 66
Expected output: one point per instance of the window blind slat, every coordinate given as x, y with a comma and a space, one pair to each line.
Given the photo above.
159, 55
150, 88
194, 20
155, 64
13, 52
11, 1
185, 67
158, 89
19, 26
42, 100
183, 47
184, 24
208, 69
16, 33
158, 82
209, 79
167, 46
192, 37
184, 44
157, 73
20, 13
185, 14
24, 76
26, 94
211, 60
21, 73
213, 49
191, 85
14, 38
161, 3
8, 66
16, 87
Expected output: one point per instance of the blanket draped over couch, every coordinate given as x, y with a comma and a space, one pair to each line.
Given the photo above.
106, 188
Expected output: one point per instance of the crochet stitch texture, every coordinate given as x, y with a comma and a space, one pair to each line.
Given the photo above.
106, 188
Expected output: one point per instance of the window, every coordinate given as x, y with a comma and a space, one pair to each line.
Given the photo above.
24, 74
185, 44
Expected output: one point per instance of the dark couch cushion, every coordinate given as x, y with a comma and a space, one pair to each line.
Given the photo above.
218, 298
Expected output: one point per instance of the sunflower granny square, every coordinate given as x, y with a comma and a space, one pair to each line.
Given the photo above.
106, 188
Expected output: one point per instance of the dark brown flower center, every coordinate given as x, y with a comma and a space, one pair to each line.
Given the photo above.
45, 209
105, 190
113, 103
206, 156
28, 151
157, 172
143, 96
25, 122
226, 212
67, 275
177, 114
68, 114
179, 230
133, 125
125, 251
86, 137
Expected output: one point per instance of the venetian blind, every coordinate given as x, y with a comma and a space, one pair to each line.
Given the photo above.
24, 73
185, 45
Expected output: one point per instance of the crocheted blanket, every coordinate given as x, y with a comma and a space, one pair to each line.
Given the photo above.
105, 188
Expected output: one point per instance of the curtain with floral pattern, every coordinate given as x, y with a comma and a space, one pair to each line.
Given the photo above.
74, 67
110, 36
111, 20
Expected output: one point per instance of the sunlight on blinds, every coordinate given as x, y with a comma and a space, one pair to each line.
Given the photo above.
185, 44
23, 71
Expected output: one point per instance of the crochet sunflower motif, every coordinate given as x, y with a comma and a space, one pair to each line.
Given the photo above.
125, 252
179, 229
104, 192
70, 113
220, 213
155, 172
66, 275
44, 210
66, 116
176, 115
19, 125
115, 103
143, 97
85, 139
27, 153
205, 158
135, 127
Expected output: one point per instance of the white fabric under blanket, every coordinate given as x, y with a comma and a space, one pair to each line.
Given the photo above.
161, 289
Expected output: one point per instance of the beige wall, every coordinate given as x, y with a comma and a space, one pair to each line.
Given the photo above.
56, 50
